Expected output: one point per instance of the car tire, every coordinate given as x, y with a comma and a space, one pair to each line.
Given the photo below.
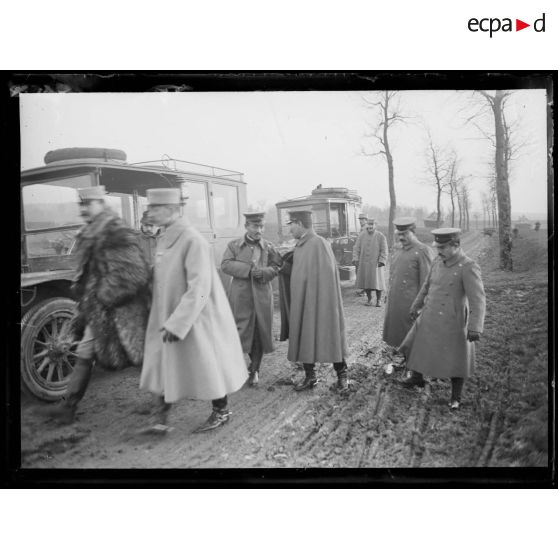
47, 349
69, 153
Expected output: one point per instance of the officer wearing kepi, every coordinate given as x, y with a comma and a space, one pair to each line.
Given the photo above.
316, 317
363, 220
449, 311
192, 350
253, 263
370, 254
408, 271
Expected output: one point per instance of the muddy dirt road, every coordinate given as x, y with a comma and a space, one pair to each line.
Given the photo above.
378, 424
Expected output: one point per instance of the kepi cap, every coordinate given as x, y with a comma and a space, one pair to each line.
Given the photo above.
92, 193
145, 219
164, 196
363, 216
303, 215
445, 235
254, 217
404, 223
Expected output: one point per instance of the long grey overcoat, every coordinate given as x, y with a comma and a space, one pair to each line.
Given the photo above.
252, 299
316, 318
189, 300
407, 272
370, 250
452, 300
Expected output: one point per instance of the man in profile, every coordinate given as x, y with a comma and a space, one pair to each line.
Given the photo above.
316, 317
252, 262
192, 349
112, 289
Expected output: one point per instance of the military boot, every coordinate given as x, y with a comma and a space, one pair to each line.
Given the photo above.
309, 381
65, 411
160, 411
413, 379
253, 378
343, 380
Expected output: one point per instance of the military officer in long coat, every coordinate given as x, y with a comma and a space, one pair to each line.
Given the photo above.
111, 285
253, 263
192, 348
408, 271
316, 317
370, 255
363, 220
451, 303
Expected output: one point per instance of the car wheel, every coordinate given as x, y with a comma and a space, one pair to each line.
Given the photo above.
47, 348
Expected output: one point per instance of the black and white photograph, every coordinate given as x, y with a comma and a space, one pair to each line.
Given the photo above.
285, 278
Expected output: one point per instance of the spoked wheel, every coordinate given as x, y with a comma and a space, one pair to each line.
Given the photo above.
47, 348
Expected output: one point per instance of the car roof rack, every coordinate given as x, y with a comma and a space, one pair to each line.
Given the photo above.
179, 165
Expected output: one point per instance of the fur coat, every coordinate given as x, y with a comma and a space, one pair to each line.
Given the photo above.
112, 285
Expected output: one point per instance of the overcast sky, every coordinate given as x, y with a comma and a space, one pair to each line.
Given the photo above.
285, 143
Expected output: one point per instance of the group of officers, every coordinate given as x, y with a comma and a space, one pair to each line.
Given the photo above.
173, 317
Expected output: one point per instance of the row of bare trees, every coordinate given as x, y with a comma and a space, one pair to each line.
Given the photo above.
443, 166
443, 171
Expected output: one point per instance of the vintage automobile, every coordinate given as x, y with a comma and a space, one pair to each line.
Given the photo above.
50, 221
335, 215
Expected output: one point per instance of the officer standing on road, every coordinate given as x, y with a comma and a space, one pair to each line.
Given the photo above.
112, 287
370, 254
363, 220
451, 303
316, 318
192, 349
408, 271
253, 263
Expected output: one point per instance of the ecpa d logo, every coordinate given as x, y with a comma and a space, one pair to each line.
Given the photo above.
492, 25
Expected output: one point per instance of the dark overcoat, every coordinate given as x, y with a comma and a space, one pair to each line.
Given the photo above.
112, 287
284, 281
451, 301
407, 272
369, 251
316, 318
189, 301
251, 299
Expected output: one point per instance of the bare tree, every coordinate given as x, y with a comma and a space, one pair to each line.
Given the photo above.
453, 186
438, 169
504, 151
388, 113
464, 205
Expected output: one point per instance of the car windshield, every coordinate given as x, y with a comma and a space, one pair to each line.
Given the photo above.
53, 203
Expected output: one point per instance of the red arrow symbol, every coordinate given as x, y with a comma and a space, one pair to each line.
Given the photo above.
519, 25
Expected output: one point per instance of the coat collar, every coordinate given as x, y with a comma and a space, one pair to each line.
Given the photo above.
243, 242
171, 234
307, 235
454, 259
414, 244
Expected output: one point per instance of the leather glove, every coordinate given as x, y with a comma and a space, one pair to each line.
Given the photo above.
257, 273
381, 264
473, 335
168, 337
